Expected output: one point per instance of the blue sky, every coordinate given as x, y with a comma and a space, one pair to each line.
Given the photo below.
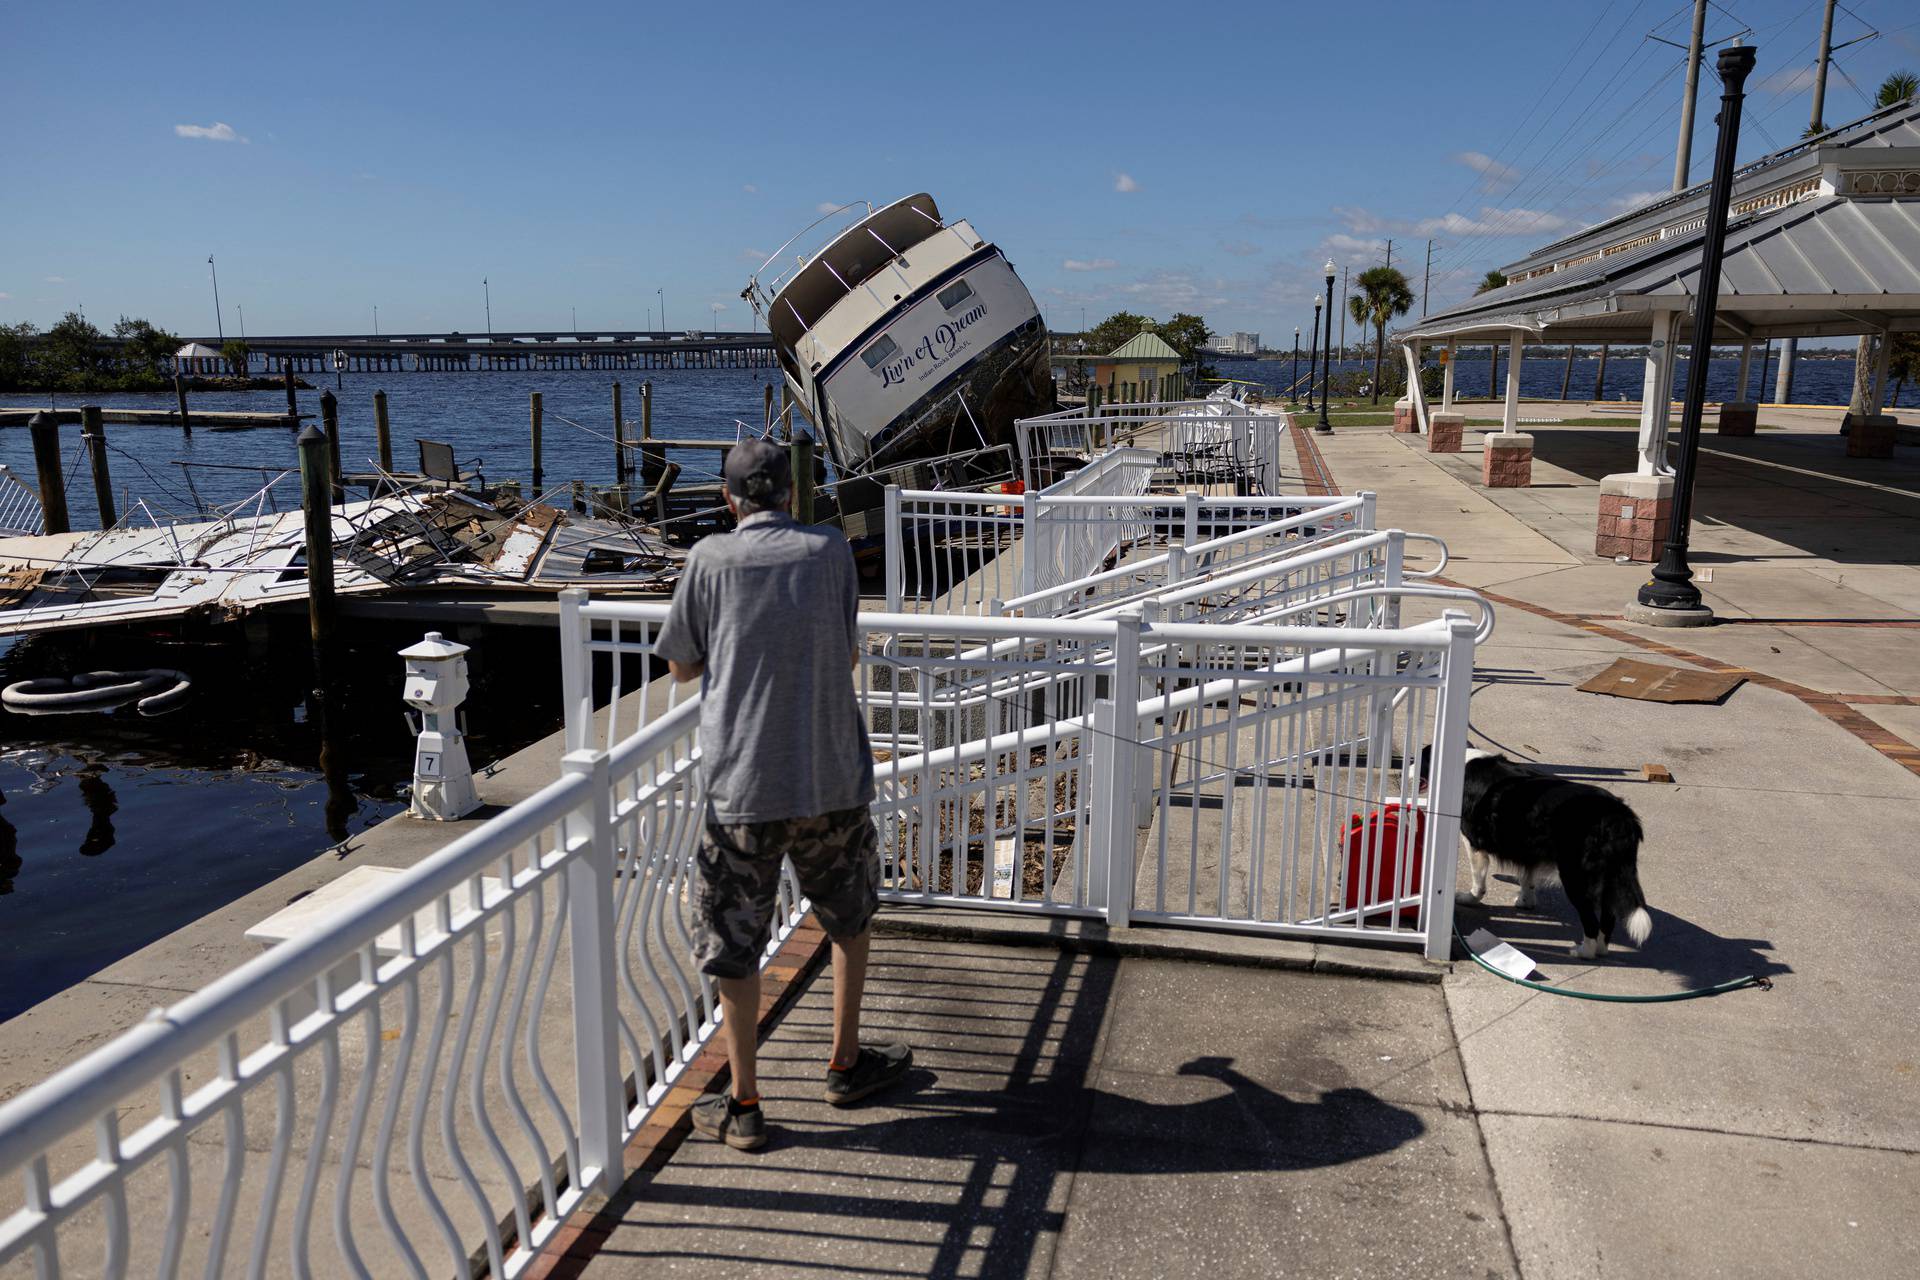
1154, 157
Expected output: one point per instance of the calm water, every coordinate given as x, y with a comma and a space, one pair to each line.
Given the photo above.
115, 830
1814, 381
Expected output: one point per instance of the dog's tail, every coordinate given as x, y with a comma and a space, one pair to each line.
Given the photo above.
1629, 903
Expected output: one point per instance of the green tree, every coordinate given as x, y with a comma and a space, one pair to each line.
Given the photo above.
16, 356
1186, 334
235, 352
1116, 330
1903, 362
144, 353
1897, 87
72, 356
1380, 294
1492, 280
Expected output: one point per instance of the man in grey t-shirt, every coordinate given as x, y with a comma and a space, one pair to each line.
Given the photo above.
764, 617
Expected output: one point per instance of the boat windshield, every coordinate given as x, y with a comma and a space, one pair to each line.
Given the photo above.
845, 264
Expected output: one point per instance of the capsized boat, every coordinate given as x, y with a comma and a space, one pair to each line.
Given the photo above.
904, 337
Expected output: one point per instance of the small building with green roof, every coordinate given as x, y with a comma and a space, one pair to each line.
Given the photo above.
1141, 362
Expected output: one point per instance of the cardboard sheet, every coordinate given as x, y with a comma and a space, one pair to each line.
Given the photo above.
1651, 682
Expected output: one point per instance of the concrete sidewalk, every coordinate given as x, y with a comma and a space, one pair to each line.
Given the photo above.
1084, 1116
1757, 1133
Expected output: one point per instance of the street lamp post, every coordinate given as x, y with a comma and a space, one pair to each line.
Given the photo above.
662, 295
219, 325
376, 319
1671, 591
1326, 388
1293, 388
1313, 353
487, 292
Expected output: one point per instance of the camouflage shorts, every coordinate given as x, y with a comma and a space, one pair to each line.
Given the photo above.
835, 855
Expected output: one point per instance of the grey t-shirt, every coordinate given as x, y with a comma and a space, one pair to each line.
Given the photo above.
770, 609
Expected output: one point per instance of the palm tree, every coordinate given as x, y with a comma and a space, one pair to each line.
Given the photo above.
1380, 294
1897, 87
1492, 280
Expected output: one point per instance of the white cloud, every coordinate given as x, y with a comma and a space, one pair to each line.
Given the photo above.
1491, 220
56, 279
1089, 264
1124, 182
825, 206
1492, 173
1784, 80
1353, 248
219, 131
1240, 248
1633, 200
750, 189
5, 296
755, 256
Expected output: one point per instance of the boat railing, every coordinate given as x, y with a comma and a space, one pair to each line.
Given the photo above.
20, 511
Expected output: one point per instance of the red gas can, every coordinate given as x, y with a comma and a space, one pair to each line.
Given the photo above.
1377, 836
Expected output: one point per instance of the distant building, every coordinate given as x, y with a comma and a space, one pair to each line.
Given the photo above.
1236, 343
1141, 360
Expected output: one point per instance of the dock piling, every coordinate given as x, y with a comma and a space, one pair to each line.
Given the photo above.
535, 410
767, 409
180, 396
330, 422
45, 429
380, 431
619, 440
95, 434
802, 466
293, 405
315, 493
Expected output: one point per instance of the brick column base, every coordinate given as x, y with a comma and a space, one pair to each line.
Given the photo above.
1872, 437
1636, 513
1738, 419
1444, 431
1508, 461
1403, 419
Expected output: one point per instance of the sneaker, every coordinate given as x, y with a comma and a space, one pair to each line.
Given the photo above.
877, 1067
718, 1116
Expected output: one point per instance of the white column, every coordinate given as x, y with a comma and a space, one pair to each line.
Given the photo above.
1446, 389
1739, 395
1510, 420
1416, 394
1882, 359
1656, 395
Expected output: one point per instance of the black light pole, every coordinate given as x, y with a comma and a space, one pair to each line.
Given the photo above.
1326, 388
1313, 352
1672, 585
1293, 388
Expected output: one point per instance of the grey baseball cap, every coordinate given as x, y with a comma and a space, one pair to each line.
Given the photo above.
757, 469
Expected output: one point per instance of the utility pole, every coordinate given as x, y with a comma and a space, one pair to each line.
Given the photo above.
1426, 279
1343, 316
219, 326
1790, 348
1389, 253
1683, 157
1818, 122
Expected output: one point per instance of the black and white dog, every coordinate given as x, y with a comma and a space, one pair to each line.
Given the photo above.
1538, 826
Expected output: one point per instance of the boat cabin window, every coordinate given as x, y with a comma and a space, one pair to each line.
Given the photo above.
878, 353
954, 294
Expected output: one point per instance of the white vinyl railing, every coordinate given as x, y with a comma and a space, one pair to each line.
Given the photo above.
1237, 530
518, 1004
959, 552
420, 1085
1013, 774
1216, 442
19, 506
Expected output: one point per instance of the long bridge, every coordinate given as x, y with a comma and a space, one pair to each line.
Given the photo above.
501, 350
